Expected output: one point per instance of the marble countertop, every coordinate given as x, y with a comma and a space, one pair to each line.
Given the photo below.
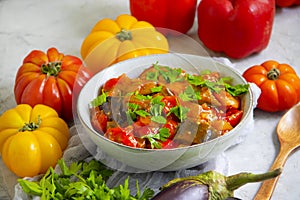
28, 25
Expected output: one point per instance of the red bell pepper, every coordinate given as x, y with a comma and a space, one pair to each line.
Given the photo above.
287, 3
176, 15
236, 27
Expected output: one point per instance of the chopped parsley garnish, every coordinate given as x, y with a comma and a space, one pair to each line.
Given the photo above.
180, 112
170, 75
155, 139
99, 100
143, 97
237, 90
156, 113
157, 100
189, 94
152, 76
133, 111
217, 86
156, 89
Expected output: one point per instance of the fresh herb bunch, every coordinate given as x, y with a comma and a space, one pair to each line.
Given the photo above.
81, 180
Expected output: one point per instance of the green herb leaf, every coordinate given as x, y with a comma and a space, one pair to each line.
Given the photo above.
195, 80
133, 107
99, 100
159, 119
152, 76
180, 112
31, 188
157, 100
224, 82
156, 139
237, 89
143, 97
147, 194
82, 180
189, 94
170, 75
156, 109
156, 113
156, 89
164, 134
142, 113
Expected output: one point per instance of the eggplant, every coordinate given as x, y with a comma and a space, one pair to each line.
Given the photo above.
210, 185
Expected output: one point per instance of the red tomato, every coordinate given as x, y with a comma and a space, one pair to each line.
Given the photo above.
170, 102
169, 144
121, 136
144, 126
234, 116
172, 126
99, 119
109, 85
52, 79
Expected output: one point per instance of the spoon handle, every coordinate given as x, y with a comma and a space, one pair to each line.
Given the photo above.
266, 190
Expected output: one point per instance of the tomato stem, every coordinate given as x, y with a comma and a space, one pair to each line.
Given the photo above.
31, 126
51, 68
124, 35
273, 74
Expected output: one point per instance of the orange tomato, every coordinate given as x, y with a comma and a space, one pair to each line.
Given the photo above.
279, 84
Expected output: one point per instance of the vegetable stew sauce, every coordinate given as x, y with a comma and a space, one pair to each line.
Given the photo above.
167, 108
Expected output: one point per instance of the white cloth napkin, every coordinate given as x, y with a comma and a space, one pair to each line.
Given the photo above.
77, 151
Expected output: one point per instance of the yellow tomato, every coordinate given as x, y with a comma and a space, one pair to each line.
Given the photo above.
32, 139
111, 41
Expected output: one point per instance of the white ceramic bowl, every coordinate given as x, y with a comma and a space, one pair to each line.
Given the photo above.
160, 159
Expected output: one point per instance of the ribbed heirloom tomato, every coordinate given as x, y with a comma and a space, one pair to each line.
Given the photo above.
51, 79
279, 84
111, 41
32, 139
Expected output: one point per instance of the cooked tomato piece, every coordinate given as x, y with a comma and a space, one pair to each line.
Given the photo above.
226, 100
172, 126
170, 102
144, 126
110, 84
169, 144
99, 119
234, 116
121, 136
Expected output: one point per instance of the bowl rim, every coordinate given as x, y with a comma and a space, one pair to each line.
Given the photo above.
223, 137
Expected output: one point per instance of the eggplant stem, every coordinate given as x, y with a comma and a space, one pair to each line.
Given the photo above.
235, 181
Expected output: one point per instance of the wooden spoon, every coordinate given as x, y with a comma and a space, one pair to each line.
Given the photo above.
288, 131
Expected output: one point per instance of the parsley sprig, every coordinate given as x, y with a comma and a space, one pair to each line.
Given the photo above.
170, 75
99, 100
180, 112
156, 139
217, 86
189, 94
81, 180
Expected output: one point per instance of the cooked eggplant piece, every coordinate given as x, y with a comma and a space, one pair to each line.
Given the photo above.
210, 185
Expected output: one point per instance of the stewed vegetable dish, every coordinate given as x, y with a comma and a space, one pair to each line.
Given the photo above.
167, 108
